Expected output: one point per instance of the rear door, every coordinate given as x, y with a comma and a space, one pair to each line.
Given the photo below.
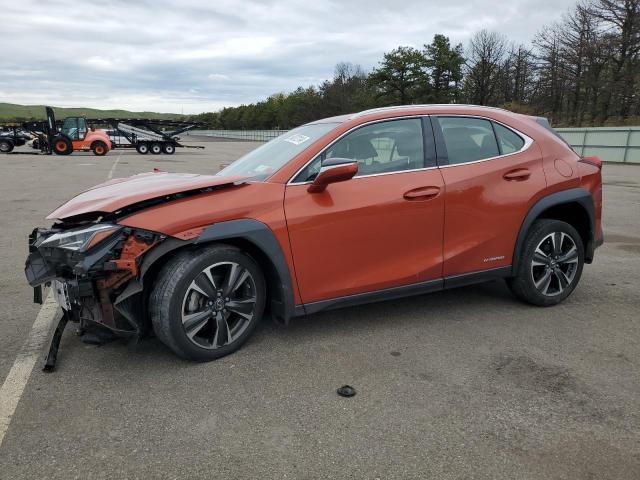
379, 230
491, 174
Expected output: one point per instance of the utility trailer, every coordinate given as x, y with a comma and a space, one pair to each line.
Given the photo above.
148, 136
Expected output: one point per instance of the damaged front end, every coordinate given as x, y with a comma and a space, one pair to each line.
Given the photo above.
94, 273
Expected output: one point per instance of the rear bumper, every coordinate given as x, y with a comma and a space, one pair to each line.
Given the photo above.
591, 247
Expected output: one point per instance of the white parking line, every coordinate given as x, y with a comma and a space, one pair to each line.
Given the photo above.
113, 167
14, 384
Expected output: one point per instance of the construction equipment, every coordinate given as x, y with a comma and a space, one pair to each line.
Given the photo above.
81, 134
74, 134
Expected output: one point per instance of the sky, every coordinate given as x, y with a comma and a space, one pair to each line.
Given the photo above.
199, 56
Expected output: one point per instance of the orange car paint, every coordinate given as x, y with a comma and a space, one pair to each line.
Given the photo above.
375, 232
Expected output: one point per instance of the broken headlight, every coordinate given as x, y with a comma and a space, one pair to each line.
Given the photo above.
82, 239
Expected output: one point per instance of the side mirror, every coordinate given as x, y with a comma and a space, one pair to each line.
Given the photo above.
333, 171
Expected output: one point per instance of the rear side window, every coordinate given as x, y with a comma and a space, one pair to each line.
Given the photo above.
468, 139
508, 140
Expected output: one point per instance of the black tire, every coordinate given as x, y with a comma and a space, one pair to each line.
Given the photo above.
142, 148
61, 146
547, 276
174, 294
168, 148
155, 149
99, 148
6, 145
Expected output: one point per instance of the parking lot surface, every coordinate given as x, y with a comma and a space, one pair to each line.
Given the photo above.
466, 383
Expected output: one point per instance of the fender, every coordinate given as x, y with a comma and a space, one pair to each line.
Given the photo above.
577, 195
262, 237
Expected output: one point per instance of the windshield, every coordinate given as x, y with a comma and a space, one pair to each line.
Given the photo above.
267, 159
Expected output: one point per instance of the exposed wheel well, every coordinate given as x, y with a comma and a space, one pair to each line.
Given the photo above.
272, 279
575, 215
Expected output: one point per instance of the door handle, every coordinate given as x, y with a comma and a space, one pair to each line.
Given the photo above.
517, 175
422, 193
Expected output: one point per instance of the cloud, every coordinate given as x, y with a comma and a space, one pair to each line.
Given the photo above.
196, 56
218, 77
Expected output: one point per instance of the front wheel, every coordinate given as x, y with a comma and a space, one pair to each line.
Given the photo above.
206, 303
62, 146
6, 146
550, 265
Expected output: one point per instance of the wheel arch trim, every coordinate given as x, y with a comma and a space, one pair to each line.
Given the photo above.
574, 195
262, 238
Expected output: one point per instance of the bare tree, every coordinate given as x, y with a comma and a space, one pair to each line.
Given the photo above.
621, 22
485, 55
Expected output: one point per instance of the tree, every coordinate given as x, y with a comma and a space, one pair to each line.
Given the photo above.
401, 77
444, 67
622, 19
485, 56
347, 92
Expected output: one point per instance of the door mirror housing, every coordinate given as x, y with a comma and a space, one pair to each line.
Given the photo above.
333, 171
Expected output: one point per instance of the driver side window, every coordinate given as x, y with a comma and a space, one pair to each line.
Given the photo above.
383, 147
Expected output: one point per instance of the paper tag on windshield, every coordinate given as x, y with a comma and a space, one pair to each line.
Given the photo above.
296, 139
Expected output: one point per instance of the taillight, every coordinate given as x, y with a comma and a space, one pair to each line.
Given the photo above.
595, 161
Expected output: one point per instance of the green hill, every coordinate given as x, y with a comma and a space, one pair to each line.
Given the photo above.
10, 112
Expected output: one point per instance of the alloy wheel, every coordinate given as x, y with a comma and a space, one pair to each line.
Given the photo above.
219, 305
554, 264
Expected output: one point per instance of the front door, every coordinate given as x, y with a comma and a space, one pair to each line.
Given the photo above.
381, 229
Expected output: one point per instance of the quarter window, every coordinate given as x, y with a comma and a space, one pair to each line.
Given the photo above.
468, 139
383, 147
508, 140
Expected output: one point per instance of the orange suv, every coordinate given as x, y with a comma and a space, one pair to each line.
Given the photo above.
359, 208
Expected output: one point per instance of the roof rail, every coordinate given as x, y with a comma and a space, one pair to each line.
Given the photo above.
402, 107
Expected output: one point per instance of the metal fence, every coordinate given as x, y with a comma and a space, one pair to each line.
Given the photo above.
243, 135
611, 144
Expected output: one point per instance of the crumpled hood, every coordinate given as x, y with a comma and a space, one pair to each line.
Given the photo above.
118, 193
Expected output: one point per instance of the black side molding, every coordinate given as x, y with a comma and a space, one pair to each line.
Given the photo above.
405, 290
476, 277
261, 236
371, 297
577, 195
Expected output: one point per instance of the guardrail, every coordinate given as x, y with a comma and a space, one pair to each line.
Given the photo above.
611, 144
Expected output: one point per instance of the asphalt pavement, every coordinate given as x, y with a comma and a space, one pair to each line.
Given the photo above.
466, 383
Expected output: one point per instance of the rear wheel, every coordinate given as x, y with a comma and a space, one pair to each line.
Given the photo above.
550, 265
142, 148
168, 149
156, 148
62, 146
205, 304
6, 145
99, 148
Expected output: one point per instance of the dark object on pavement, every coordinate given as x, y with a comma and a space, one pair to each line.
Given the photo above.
346, 391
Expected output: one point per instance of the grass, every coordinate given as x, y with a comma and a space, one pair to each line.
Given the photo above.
10, 112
